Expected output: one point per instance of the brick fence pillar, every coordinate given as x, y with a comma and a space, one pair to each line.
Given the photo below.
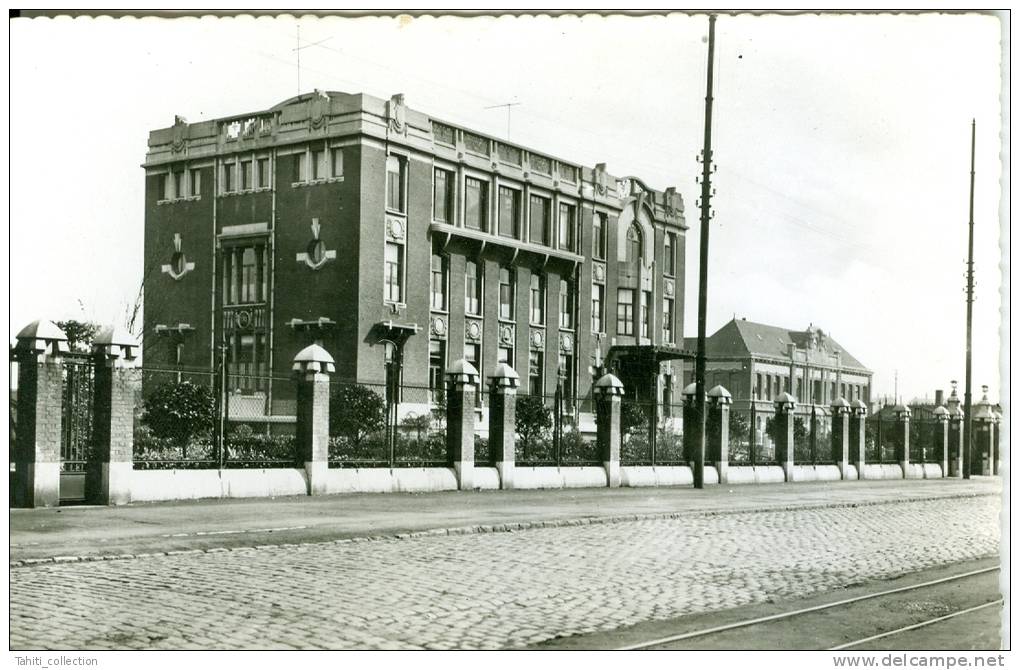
39, 414
313, 365
956, 442
690, 435
857, 428
108, 477
942, 437
502, 412
608, 397
462, 380
901, 429
717, 431
841, 434
785, 405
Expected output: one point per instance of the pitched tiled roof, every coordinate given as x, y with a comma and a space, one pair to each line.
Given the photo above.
741, 338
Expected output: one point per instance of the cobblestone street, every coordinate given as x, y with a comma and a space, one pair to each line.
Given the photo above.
486, 590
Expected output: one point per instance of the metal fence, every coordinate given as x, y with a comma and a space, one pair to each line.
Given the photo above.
652, 433
881, 437
752, 433
549, 432
925, 440
191, 419
375, 426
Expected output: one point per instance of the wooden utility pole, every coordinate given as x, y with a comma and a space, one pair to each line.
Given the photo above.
706, 194
967, 434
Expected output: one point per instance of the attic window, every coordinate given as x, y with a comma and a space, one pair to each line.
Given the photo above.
758, 335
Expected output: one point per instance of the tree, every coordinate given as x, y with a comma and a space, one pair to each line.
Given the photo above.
180, 410
631, 416
740, 426
355, 411
80, 334
531, 419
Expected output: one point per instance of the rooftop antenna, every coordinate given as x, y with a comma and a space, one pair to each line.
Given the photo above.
508, 105
298, 49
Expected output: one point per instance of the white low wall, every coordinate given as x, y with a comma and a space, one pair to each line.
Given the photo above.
882, 471
757, 474
486, 478
816, 473
663, 475
933, 471
560, 478
153, 485
385, 480
851, 472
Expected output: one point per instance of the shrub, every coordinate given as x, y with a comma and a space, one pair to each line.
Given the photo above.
355, 411
531, 420
177, 411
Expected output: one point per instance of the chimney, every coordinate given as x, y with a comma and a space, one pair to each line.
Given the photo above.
938, 397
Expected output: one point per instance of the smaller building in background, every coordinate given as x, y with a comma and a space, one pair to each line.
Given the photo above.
755, 361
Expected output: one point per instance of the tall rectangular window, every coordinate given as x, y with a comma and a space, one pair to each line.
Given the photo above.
667, 320
625, 311
757, 386
246, 176
300, 173
539, 225
507, 279
475, 203
646, 314
394, 183
393, 272
537, 299
598, 238
337, 162
597, 301
442, 194
566, 304
439, 272
509, 212
565, 373
566, 225
535, 385
249, 276
472, 288
262, 172
179, 184
669, 254
229, 177
319, 164
505, 355
437, 368
196, 183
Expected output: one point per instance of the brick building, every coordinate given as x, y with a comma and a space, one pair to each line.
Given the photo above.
757, 361
393, 237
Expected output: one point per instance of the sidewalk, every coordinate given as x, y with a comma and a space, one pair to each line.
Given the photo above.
88, 531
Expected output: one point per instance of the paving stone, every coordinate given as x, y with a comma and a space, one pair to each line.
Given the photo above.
483, 590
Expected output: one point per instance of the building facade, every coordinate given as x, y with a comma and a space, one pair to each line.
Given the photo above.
400, 243
757, 362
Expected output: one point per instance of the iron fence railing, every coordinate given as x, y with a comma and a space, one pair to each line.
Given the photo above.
549, 432
652, 433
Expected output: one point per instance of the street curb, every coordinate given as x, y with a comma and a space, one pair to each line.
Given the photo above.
507, 527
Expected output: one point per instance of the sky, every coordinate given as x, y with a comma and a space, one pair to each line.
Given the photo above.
841, 143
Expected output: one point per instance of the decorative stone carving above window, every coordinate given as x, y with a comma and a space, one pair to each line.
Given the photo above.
316, 255
600, 178
668, 288
476, 143
443, 133
180, 137
395, 228
598, 273
509, 154
540, 164
437, 326
396, 110
318, 109
506, 334
566, 343
473, 331
179, 265
537, 339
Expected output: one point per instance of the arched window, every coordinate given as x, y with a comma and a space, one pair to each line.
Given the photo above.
633, 245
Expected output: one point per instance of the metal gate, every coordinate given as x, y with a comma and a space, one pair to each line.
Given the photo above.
76, 425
